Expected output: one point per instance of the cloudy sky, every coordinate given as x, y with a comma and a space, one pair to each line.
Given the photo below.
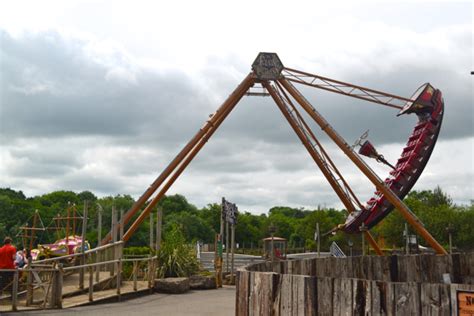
101, 95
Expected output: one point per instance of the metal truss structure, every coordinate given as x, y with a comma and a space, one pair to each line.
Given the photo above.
278, 82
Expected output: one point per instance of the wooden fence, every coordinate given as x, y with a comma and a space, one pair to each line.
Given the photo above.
397, 285
44, 284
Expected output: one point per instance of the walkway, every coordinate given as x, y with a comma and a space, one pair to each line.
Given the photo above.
205, 302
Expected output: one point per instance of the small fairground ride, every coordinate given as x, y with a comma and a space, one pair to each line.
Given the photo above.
68, 240
274, 248
274, 79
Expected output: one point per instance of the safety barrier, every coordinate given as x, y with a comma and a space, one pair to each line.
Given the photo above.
366, 285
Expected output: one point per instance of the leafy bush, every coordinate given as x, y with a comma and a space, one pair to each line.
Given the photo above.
176, 258
137, 251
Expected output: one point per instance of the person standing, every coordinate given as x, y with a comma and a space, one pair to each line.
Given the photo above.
7, 261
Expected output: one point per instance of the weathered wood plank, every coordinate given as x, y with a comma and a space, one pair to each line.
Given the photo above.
298, 295
342, 297
361, 297
262, 293
324, 297
413, 268
310, 296
242, 293
380, 294
435, 299
406, 298
283, 296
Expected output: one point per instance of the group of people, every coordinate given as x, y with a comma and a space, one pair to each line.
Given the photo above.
10, 259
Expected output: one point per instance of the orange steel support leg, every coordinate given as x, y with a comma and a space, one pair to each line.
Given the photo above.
336, 187
373, 243
239, 91
379, 184
210, 128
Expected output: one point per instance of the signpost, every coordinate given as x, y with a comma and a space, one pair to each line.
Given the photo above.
229, 213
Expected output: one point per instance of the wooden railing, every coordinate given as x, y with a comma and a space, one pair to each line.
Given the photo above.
49, 275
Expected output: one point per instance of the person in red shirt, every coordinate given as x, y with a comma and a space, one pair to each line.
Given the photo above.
7, 261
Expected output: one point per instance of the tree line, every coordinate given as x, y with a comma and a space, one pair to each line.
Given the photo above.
434, 208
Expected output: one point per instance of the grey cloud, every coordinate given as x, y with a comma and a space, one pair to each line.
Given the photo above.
52, 88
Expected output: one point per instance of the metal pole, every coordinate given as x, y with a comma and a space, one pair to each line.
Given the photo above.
221, 239
83, 246
152, 242
114, 225
159, 221
67, 227
407, 240
363, 229
99, 238
450, 242
122, 222
226, 246
369, 173
114, 239
232, 242
273, 250
318, 236
450, 230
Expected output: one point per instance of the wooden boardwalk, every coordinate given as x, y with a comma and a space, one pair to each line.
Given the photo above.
73, 296
106, 295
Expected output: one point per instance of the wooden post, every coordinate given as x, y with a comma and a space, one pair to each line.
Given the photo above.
135, 272
99, 238
159, 222
29, 282
83, 246
150, 281
91, 284
15, 291
152, 242
57, 288
119, 276
232, 243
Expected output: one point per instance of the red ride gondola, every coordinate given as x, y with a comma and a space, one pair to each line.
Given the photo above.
429, 107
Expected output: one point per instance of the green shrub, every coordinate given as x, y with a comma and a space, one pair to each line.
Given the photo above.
176, 258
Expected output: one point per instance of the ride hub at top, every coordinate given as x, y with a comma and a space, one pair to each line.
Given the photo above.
267, 66
279, 82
